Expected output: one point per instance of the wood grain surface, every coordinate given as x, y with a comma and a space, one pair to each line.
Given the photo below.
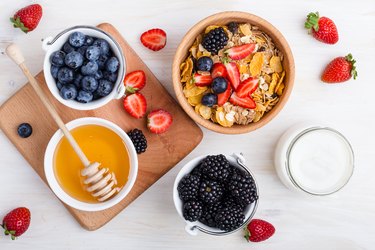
163, 153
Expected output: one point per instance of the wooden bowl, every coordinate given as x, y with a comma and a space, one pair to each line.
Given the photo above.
221, 19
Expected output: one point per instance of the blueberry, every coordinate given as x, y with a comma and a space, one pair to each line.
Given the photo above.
89, 40
98, 75
89, 84
68, 92
103, 45
102, 61
77, 39
204, 63
65, 75
74, 60
105, 87
112, 64
57, 58
77, 80
24, 130
209, 99
82, 50
67, 48
84, 96
54, 70
110, 76
92, 53
219, 85
59, 85
89, 68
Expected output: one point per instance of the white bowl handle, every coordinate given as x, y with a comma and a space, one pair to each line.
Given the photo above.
191, 229
120, 91
46, 43
240, 157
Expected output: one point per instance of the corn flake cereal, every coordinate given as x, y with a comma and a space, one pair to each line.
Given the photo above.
275, 64
256, 64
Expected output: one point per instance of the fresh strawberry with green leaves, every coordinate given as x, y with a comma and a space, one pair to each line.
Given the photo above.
27, 18
222, 98
158, 121
247, 87
258, 230
16, 222
340, 69
233, 74
135, 81
241, 51
245, 102
135, 104
154, 39
202, 80
218, 69
322, 28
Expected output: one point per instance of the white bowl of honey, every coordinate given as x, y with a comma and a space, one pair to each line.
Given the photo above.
102, 141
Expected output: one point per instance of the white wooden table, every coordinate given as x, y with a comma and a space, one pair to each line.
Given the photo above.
341, 221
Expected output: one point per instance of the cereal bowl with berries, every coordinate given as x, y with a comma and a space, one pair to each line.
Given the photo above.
233, 72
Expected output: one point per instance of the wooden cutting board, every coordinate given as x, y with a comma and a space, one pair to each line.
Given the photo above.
163, 153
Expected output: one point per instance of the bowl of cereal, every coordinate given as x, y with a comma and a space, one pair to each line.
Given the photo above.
233, 72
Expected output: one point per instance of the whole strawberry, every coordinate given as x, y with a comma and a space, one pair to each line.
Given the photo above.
16, 222
258, 230
340, 69
27, 18
322, 28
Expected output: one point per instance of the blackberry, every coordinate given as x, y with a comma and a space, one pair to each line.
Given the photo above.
229, 201
215, 40
229, 218
216, 167
242, 188
139, 140
209, 214
188, 187
197, 171
233, 27
192, 210
210, 191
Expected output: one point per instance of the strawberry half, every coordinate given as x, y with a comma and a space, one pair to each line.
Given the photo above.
219, 69
258, 230
322, 28
340, 69
223, 97
202, 80
135, 81
233, 74
240, 52
154, 39
27, 18
245, 102
247, 87
158, 121
16, 222
135, 104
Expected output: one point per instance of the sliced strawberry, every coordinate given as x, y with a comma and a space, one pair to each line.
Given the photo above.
223, 97
154, 39
202, 80
247, 87
158, 121
245, 102
233, 74
135, 105
219, 69
240, 52
135, 81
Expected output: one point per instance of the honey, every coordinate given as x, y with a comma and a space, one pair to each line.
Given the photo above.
99, 144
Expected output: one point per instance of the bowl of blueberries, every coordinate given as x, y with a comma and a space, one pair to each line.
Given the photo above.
84, 67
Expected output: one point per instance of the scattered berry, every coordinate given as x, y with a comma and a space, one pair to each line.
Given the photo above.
24, 130
158, 121
210, 192
219, 85
135, 104
135, 81
139, 140
215, 40
204, 63
188, 187
192, 210
340, 69
209, 99
16, 222
240, 52
258, 230
27, 18
154, 39
322, 28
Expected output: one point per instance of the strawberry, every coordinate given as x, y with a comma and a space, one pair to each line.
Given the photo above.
240, 52
247, 87
218, 70
16, 222
202, 80
233, 74
158, 121
27, 18
245, 102
340, 69
154, 39
322, 28
258, 230
222, 98
135, 104
135, 81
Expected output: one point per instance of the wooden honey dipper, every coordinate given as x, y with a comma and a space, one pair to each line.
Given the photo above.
100, 182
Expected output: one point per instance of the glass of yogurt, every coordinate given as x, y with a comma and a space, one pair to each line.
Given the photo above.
314, 159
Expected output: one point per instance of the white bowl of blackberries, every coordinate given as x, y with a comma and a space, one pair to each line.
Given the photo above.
215, 194
84, 67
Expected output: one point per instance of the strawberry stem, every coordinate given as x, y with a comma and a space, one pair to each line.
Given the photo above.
18, 24
350, 59
312, 21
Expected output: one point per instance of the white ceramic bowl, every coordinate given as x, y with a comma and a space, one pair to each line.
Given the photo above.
57, 189
193, 227
52, 44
